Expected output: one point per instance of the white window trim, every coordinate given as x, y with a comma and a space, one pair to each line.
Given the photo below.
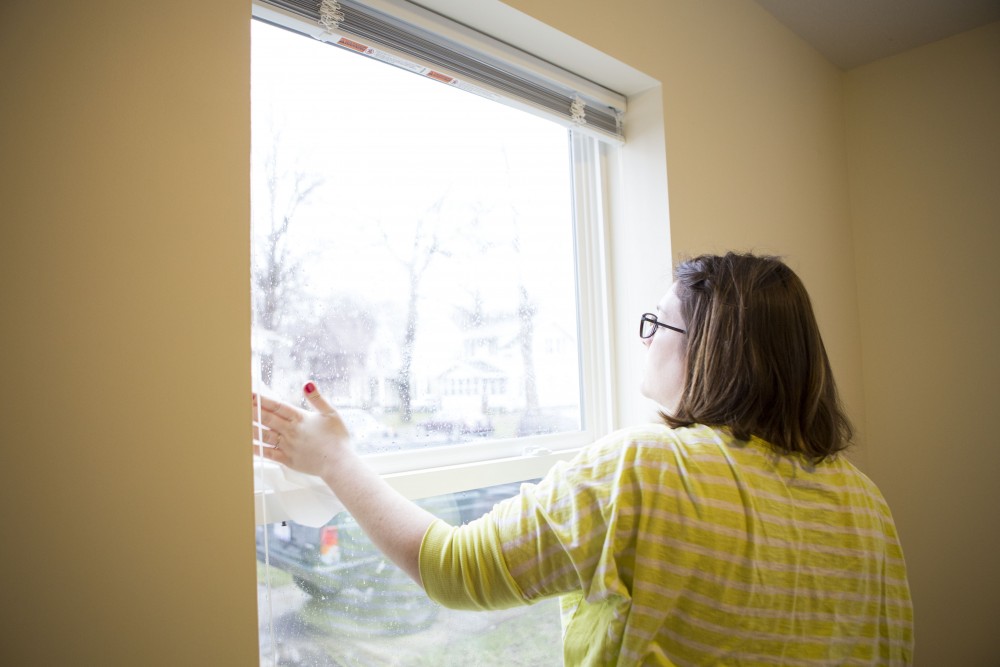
272, 505
633, 239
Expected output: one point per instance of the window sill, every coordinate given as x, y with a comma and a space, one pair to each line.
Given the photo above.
281, 494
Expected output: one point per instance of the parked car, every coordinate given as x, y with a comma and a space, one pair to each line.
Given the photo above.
338, 565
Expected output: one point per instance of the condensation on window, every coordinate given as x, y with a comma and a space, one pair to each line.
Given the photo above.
413, 254
413, 251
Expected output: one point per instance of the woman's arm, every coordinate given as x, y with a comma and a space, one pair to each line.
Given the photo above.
317, 443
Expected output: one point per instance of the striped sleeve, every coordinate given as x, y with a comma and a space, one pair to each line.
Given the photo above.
554, 535
548, 538
462, 567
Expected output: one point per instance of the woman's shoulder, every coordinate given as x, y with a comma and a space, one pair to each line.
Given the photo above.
658, 437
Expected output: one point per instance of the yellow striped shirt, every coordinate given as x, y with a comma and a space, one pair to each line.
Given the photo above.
687, 547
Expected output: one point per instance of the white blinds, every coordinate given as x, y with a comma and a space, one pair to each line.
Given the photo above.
539, 86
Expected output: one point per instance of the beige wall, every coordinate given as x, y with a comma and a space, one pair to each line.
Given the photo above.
924, 146
124, 186
126, 494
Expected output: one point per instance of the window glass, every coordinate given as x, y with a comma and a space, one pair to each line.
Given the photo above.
413, 251
328, 597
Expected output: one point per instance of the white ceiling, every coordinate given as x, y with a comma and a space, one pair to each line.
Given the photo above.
856, 32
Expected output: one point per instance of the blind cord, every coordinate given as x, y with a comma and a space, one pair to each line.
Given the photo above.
257, 381
331, 14
267, 548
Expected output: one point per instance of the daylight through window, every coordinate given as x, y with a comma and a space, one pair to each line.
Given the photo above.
416, 253
433, 259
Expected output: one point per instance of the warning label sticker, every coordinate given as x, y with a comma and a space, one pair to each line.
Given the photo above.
440, 77
351, 44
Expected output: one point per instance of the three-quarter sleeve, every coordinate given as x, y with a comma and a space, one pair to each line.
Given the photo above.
550, 539
463, 567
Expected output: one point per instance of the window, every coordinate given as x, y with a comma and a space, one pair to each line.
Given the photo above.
435, 260
432, 258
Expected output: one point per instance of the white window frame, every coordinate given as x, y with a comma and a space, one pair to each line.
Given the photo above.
600, 175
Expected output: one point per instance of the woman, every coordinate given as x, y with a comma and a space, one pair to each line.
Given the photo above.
732, 533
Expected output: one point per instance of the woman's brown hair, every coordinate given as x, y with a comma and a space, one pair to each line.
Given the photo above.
755, 359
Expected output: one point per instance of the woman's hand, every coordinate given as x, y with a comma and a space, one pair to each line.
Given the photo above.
317, 443
309, 442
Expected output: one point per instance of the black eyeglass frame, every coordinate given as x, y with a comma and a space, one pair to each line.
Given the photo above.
651, 318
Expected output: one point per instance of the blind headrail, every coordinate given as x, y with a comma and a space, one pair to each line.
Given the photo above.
531, 83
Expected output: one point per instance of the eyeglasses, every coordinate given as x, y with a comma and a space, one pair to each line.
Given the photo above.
649, 323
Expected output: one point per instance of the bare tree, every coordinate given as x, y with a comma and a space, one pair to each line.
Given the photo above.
498, 238
526, 310
426, 245
526, 306
275, 264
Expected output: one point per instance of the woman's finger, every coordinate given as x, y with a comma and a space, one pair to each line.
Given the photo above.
267, 437
264, 437
269, 405
316, 400
270, 453
274, 422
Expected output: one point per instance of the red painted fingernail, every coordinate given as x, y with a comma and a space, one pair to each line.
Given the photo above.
310, 387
